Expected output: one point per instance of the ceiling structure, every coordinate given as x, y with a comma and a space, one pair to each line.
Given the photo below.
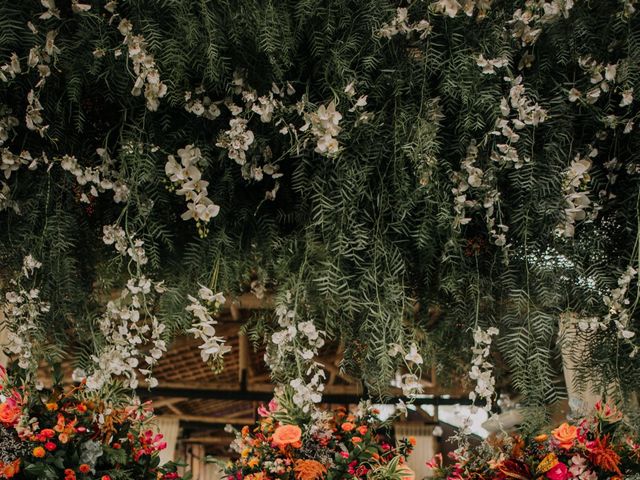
205, 401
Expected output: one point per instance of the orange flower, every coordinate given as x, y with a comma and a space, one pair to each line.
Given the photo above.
10, 469
412, 441
309, 470
363, 429
52, 406
84, 468
541, 438
348, 426
565, 434
356, 439
39, 452
9, 412
287, 435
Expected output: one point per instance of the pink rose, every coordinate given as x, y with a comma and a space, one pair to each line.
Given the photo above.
559, 472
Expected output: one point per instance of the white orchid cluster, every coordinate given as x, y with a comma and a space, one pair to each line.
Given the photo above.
302, 341
358, 104
187, 177
236, 140
116, 236
408, 382
324, 123
7, 123
41, 56
22, 309
203, 308
472, 177
144, 66
400, 25
619, 312
481, 369
527, 24
451, 8
201, 107
33, 118
517, 112
132, 335
629, 7
12, 68
576, 198
489, 65
10, 162
96, 179
604, 79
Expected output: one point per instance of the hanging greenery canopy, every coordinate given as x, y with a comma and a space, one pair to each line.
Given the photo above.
406, 177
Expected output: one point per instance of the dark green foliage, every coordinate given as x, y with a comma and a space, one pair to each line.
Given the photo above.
359, 235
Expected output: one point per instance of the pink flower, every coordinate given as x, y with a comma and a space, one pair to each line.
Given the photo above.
344, 454
559, 472
263, 412
435, 462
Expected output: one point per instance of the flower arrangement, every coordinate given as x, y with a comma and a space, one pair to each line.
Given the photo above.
291, 443
72, 435
595, 447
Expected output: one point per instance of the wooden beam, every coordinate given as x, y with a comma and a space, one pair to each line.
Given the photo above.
196, 391
223, 420
165, 402
224, 441
243, 358
241, 413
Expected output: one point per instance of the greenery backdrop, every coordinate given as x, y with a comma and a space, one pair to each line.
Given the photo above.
428, 219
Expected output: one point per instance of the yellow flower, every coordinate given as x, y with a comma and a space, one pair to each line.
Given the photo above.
253, 462
39, 452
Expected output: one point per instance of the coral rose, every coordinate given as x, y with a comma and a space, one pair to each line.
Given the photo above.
565, 434
287, 435
348, 426
10, 412
309, 470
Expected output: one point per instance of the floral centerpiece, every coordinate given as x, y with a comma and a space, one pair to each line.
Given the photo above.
72, 435
595, 447
291, 443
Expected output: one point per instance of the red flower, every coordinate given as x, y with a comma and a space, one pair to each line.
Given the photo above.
559, 472
84, 468
604, 456
50, 446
